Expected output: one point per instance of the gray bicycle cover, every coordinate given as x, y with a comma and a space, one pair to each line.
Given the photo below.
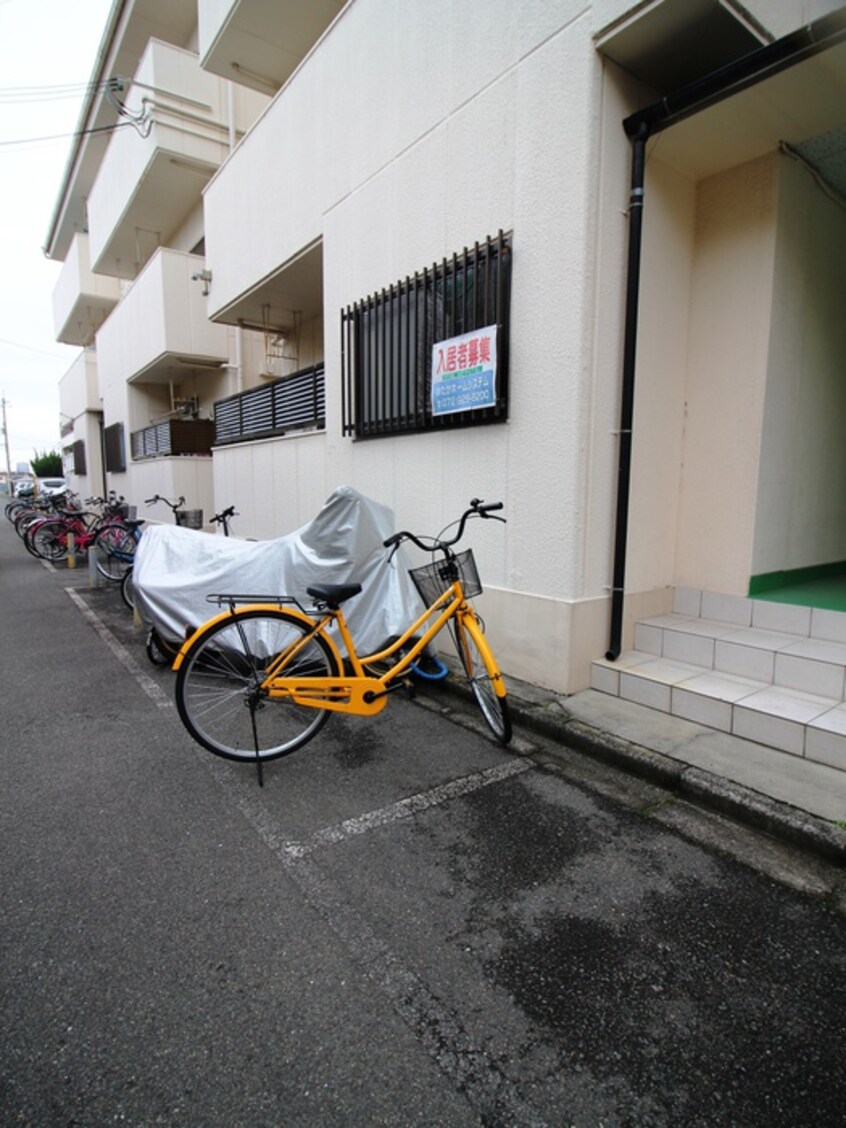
176, 569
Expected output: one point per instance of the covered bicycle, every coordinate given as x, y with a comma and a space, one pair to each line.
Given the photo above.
260, 679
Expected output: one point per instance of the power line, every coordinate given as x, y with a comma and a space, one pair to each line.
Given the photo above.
23, 141
20, 95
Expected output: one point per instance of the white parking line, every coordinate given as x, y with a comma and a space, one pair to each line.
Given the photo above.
148, 684
405, 808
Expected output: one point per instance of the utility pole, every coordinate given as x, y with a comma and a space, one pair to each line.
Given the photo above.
6, 441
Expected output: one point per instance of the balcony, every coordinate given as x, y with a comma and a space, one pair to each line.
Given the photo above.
153, 174
78, 388
82, 300
173, 437
257, 44
159, 334
291, 403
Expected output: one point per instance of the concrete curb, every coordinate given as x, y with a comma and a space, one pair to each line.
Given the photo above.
780, 820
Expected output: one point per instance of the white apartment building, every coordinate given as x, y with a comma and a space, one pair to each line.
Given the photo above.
581, 256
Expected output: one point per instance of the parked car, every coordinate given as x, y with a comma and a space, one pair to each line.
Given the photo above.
24, 487
50, 486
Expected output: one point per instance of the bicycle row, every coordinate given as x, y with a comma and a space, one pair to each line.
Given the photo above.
55, 527
258, 680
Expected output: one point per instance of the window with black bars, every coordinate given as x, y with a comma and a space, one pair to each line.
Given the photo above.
79, 457
290, 403
387, 341
115, 448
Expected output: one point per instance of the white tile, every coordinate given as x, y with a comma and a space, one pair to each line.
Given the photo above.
705, 627
693, 706
808, 675
629, 658
725, 687
789, 704
825, 742
827, 748
697, 650
727, 608
669, 620
833, 721
763, 639
789, 736
828, 624
662, 670
823, 650
604, 678
648, 638
781, 617
645, 692
744, 661
687, 601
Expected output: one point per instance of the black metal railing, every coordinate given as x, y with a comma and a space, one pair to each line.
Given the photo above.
172, 437
387, 341
289, 403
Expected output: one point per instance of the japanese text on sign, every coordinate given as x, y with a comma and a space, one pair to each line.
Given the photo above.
464, 372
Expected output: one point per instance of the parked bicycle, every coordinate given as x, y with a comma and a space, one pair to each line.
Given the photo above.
159, 650
109, 534
260, 679
223, 519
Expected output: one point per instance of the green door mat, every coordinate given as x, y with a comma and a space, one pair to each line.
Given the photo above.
823, 587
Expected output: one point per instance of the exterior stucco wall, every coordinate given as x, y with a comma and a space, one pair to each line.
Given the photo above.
801, 518
511, 134
730, 323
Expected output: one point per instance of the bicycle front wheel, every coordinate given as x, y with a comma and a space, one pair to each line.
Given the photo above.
219, 692
114, 549
48, 540
481, 670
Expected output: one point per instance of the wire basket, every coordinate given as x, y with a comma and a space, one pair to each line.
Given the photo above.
189, 518
433, 579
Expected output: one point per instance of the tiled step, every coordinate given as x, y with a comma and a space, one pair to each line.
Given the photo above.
766, 672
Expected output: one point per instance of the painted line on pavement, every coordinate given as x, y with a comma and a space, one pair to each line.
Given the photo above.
153, 690
407, 807
436, 1025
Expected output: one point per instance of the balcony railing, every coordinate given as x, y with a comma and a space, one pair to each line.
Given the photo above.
173, 437
291, 403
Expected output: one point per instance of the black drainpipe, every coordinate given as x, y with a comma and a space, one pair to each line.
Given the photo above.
624, 466
722, 83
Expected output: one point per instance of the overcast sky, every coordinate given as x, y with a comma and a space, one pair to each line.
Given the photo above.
44, 44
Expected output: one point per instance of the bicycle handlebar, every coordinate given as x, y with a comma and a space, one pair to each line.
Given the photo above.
174, 505
224, 515
478, 508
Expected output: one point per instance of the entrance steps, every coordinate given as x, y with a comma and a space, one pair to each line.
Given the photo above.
772, 673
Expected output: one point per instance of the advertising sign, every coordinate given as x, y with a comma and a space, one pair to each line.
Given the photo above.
464, 372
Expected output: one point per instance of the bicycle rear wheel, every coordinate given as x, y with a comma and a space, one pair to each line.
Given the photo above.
218, 685
481, 670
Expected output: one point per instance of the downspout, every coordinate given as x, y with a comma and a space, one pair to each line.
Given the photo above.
744, 72
624, 463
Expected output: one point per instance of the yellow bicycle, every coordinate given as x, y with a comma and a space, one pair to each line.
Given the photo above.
261, 678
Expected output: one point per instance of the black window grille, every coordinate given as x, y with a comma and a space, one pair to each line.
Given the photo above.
79, 465
291, 403
115, 448
387, 341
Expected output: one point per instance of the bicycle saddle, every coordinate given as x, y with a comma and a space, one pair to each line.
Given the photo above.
333, 595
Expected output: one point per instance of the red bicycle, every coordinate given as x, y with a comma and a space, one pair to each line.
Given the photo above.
109, 534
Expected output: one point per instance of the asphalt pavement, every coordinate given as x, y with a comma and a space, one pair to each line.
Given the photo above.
407, 925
